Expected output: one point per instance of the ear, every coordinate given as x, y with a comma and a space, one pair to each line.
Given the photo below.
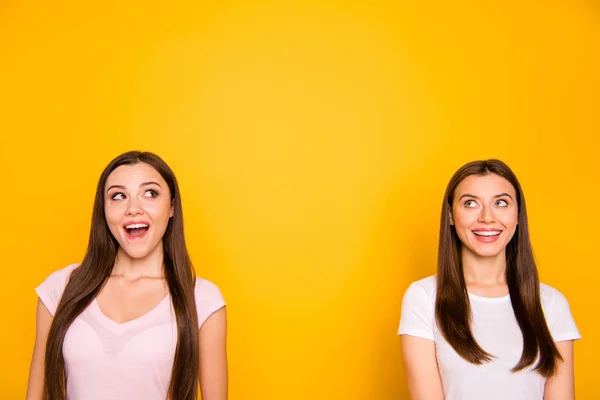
172, 211
450, 217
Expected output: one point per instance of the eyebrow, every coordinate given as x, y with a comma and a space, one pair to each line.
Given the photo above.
141, 185
496, 196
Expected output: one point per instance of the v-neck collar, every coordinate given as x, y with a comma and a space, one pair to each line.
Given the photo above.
132, 322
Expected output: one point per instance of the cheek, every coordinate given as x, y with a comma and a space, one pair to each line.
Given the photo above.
464, 219
509, 220
113, 220
112, 215
159, 211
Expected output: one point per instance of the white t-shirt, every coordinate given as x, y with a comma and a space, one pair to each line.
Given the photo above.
495, 328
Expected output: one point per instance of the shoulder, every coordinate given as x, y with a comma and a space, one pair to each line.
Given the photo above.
208, 299
426, 286
429, 283
60, 277
558, 314
64, 273
51, 289
418, 309
553, 301
206, 289
551, 297
420, 294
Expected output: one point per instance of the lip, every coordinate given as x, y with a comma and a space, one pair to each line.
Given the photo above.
487, 239
136, 222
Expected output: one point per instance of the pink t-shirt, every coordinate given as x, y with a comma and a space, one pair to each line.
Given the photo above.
105, 360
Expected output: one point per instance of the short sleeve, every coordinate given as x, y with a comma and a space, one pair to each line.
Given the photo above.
418, 313
208, 299
560, 321
50, 291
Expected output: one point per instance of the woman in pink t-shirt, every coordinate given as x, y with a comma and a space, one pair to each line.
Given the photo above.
131, 321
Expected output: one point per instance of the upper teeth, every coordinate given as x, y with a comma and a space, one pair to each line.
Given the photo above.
487, 233
133, 226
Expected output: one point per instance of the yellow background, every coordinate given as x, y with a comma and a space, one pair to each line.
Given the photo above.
313, 143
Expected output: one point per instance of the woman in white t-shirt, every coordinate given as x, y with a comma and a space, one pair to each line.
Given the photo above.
484, 328
131, 322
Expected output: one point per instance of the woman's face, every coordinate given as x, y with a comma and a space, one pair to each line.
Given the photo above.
485, 214
137, 207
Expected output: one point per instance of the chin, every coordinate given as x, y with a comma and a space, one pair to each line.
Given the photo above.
488, 254
136, 255
485, 253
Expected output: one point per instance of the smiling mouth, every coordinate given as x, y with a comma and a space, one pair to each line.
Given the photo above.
487, 233
136, 231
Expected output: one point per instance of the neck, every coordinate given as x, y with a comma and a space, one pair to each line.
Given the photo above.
133, 268
484, 270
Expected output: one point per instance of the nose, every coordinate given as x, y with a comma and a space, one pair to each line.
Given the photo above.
133, 207
486, 216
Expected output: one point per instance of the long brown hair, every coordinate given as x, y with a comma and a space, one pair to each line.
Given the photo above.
87, 280
452, 306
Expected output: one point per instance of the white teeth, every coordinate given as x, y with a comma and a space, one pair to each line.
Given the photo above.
133, 226
487, 233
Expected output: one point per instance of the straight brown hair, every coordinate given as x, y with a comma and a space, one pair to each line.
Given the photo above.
86, 281
452, 306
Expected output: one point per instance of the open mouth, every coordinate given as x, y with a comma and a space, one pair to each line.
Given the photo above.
487, 236
136, 231
487, 233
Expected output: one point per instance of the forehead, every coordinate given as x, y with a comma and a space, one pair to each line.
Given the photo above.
488, 185
134, 175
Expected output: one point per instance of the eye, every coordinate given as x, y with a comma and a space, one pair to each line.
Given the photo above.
117, 196
151, 193
502, 203
470, 203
